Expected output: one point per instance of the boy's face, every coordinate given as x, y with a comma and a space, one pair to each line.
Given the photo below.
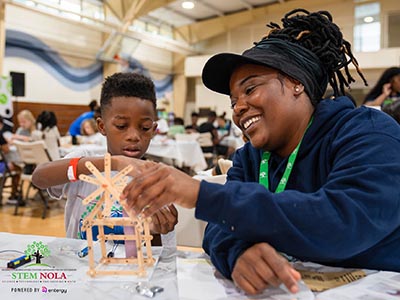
128, 124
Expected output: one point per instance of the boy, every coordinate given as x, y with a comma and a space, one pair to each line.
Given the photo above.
128, 112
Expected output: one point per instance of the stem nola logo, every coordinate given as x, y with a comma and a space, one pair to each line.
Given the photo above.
36, 272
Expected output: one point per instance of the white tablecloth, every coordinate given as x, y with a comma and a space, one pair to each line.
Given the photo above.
193, 278
92, 148
182, 275
184, 153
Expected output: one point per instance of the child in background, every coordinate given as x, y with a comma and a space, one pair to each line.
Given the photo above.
178, 127
90, 133
27, 124
128, 121
47, 130
75, 127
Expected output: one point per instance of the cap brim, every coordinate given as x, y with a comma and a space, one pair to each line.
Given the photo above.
218, 70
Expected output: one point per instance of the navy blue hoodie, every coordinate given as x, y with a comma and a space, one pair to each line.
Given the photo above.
341, 205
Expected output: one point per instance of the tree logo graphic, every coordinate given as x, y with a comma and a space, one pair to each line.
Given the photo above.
38, 250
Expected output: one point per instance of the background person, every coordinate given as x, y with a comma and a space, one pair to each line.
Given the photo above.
177, 127
193, 127
393, 110
47, 130
27, 124
90, 133
75, 127
386, 90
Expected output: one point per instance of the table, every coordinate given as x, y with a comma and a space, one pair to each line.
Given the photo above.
183, 153
91, 148
232, 141
185, 275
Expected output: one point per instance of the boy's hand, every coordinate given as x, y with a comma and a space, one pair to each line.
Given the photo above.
260, 266
164, 220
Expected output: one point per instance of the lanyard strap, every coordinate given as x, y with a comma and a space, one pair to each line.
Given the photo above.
263, 178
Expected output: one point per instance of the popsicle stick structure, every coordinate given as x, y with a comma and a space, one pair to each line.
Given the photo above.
109, 190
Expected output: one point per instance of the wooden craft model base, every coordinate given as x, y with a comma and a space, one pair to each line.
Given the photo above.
109, 190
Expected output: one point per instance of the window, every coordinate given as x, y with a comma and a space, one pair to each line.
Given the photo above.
367, 28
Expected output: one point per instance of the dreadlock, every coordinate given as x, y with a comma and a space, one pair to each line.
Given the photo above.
316, 32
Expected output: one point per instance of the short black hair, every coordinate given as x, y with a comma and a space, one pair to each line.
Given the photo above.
212, 114
178, 121
93, 105
47, 119
127, 85
195, 114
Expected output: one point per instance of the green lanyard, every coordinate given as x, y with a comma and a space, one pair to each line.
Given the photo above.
263, 179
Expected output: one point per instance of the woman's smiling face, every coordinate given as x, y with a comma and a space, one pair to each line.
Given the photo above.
269, 107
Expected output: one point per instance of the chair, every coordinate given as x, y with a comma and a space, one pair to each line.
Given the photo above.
5, 174
207, 146
31, 155
189, 230
224, 165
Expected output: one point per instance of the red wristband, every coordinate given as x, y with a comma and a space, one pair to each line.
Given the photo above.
72, 169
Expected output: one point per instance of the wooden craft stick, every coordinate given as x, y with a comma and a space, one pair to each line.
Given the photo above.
136, 230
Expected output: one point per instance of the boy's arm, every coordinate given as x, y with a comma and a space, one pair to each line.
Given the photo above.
55, 172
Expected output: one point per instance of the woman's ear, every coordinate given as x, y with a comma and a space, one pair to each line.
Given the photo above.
298, 89
100, 126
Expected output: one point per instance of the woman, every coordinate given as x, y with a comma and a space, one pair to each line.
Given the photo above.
386, 90
318, 180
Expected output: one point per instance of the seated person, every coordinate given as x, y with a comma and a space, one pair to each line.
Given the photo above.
75, 127
193, 127
90, 134
27, 124
208, 126
319, 179
386, 90
177, 127
393, 110
47, 130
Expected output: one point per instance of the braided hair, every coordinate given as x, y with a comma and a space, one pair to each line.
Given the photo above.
316, 32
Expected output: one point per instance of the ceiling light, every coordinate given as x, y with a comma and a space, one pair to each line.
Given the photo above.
368, 19
187, 4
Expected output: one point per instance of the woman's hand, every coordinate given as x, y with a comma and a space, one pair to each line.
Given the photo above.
387, 89
260, 266
157, 185
119, 162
